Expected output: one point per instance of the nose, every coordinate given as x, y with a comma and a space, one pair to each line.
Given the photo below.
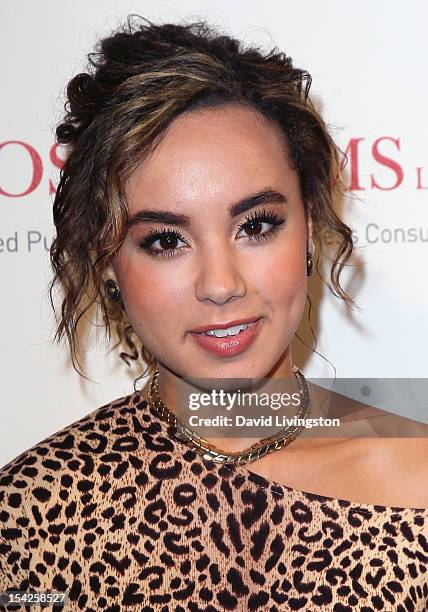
219, 278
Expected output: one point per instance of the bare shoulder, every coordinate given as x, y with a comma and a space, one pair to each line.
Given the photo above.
399, 466
402, 441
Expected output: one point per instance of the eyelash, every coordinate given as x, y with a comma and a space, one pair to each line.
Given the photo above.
258, 217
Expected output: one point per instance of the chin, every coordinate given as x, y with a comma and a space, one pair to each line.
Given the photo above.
233, 371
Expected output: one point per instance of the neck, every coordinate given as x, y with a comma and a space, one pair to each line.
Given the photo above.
169, 384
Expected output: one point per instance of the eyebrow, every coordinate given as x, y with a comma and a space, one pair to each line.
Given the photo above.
266, 196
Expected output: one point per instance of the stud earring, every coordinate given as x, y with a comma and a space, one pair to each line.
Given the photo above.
309, 257
309, 263
112, 290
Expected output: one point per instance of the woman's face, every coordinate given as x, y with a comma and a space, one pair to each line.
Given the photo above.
237, 250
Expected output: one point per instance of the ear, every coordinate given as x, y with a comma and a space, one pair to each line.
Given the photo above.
309, 226
110, 273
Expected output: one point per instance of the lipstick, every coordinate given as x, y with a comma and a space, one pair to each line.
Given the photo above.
228, 346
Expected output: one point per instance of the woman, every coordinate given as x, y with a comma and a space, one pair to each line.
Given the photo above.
199, 183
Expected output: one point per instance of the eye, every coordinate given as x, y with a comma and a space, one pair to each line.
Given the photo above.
253, 225
167, 240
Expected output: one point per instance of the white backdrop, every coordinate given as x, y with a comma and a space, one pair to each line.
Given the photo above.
368, 62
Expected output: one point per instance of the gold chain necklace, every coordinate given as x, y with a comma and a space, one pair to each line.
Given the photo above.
267, 445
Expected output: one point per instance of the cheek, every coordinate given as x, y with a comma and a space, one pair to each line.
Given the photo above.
281, 276
150, 293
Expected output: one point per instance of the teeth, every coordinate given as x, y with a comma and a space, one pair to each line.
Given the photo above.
229, 331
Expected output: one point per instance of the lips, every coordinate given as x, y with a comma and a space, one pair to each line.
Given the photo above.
229, 346
205, 328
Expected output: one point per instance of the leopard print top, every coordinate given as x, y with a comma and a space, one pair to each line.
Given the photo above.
121, 515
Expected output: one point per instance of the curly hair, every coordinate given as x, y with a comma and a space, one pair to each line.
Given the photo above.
137, 81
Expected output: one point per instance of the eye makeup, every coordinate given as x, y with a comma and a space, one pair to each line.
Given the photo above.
169, 237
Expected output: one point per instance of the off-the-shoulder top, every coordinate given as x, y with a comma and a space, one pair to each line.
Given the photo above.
119, 514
